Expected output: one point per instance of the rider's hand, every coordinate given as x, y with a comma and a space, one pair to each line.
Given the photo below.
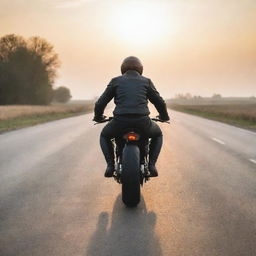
99, 119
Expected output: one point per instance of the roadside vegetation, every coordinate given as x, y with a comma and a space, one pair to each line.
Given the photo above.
28, 69
18, 116
241, 115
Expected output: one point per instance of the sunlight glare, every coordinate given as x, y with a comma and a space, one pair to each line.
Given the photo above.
140, 24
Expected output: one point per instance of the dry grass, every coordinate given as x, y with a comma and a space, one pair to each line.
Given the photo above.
18, 111
243, 115
245, 112
19, 116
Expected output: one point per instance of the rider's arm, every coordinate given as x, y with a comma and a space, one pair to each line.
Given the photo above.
157, 101
103, 100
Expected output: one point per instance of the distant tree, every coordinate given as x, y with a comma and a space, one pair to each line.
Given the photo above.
12, 52
197, 97
44, 51
180, 96
216, 96
188, 96
9, 44
27, 70
61, 94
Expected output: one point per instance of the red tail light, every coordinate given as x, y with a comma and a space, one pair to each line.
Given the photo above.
132, 136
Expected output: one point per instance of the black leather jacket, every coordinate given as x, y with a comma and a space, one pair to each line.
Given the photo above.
131, 93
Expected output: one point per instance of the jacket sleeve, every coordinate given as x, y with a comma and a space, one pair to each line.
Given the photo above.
155, 98
104, 99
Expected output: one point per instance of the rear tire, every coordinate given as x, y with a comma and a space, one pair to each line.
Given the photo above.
130, 175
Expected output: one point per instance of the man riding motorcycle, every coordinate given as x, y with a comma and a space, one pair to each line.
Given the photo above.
131, 92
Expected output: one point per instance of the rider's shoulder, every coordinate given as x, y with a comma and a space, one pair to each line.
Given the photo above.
113, 81
116, 79
145, 78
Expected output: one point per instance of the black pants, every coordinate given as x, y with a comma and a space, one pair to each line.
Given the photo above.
119, 124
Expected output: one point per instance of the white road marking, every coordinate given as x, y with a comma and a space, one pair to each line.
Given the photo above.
253, 161
219, 141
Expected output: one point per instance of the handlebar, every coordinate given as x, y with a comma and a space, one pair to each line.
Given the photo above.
104, 120
153, 119
160, 120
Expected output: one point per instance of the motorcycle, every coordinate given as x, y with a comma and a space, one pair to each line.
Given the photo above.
131, 162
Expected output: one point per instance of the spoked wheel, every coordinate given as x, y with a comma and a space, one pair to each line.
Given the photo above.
130, 176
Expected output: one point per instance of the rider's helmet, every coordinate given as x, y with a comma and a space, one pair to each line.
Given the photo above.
131, 63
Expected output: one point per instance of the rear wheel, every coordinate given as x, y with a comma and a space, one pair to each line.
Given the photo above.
130, 175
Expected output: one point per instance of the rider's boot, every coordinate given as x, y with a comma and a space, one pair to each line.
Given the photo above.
110, 170
108, 151
152, 170
155, 147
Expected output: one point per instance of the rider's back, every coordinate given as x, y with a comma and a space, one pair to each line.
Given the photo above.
131, 94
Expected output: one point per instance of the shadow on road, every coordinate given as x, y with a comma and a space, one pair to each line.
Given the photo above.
131, 232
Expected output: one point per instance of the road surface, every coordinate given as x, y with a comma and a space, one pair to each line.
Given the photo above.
54, 200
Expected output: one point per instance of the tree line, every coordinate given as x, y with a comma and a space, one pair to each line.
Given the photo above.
28, 68
189, 96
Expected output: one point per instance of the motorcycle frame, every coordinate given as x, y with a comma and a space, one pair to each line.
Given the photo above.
143, 144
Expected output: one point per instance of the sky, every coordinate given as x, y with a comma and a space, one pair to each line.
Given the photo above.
197, 46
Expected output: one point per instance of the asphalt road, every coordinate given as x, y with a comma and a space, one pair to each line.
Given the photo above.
55, 201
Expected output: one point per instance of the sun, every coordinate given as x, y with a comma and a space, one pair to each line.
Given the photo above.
140, 24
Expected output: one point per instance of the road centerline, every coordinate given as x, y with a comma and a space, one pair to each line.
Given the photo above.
219, 141
253, 160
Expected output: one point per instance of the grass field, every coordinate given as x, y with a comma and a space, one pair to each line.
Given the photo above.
242, 115
18, 116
